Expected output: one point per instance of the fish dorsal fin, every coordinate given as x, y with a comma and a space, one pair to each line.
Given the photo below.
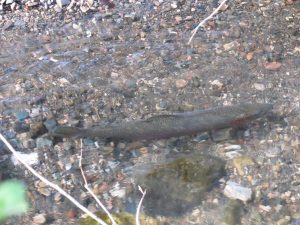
163, 116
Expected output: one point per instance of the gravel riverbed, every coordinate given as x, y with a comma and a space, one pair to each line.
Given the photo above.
84, 63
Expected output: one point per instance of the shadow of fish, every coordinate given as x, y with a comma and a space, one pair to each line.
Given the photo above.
171, 125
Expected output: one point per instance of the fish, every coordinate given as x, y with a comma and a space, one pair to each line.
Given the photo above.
172, 124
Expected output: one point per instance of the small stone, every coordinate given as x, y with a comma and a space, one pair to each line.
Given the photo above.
241, 162
62, 3
43, 142
39, 219
84, 9
249, 56
35, 112
273, 66
37, 129
230, 45
259, 87
181, 83
235, 191
8, 25
29, 143
162, 105
31, 158
50, 124
284, 221
174, 5
178, 19
44, 191
57, 197
21, 116
57, 8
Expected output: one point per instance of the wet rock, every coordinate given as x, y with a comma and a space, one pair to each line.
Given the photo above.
235, 191
174, 188
39, 219
241, 162
21, 116
43, 142
233, 213
122, 218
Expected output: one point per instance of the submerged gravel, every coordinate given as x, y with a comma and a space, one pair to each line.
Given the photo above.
83, 63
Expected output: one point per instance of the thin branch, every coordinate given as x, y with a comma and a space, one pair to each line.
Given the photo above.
137, 215
47, 182
206, 19
90, 191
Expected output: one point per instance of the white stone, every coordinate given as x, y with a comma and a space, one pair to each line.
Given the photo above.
62, 3
31, 158
235, 191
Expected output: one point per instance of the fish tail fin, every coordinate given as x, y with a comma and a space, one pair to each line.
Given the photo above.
65, 131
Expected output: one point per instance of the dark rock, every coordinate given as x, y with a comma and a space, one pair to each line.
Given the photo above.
21, 127
174, 188
37, 129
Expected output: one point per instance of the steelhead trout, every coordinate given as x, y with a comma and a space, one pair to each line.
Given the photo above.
171, 125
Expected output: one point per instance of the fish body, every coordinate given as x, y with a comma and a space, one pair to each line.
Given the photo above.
172, 125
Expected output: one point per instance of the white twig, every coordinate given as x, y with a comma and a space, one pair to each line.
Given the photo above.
47, 182
137, 215
206, 19
90, 191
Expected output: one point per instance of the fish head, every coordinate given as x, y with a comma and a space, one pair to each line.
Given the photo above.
247, 112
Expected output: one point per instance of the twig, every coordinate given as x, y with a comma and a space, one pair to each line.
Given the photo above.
90, 191
47, 182
206, 19
137, 215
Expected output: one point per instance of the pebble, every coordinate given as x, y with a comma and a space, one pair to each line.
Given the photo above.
31, 158
181, 83
50, 124
37, 129
230, 45
29, 143
162, 105
21, 116
259, 87
62, 3
241, 162
273, 66
8, 25
39, 219
43, 142
35, 112
44, 191
235, 191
